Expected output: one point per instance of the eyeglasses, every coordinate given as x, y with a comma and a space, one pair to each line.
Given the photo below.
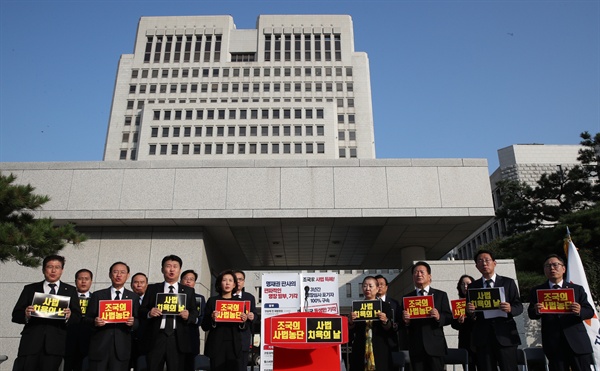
483, 261
553, 265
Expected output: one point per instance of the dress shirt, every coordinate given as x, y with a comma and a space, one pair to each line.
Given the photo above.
48, 288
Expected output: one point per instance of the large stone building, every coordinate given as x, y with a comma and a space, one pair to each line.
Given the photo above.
523, 163
198, 88
268, 137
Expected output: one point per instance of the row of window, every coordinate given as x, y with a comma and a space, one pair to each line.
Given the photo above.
241, 114
303, 47
189, 114
244, 72
240, 149
176, 49
240, 131
225, 87
208, 148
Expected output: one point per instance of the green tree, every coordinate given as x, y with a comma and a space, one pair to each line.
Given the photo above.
529, 249
525, 208
24, 238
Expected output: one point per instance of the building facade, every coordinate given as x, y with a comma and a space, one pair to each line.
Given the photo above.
197, 87
524, 163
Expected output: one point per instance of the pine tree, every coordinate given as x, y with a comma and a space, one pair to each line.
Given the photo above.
24, 238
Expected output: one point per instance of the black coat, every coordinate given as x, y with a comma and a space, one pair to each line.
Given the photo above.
117, 335
42, 334
381, 339
569, 325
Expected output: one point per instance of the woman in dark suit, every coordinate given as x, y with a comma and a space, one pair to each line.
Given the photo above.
223, 340
371, 337
464, 324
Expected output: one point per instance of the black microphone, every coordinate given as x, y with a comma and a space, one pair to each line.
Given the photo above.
306, 290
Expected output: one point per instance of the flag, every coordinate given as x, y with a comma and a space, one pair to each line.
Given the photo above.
576, 274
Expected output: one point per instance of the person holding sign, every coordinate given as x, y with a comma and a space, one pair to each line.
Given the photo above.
564, 337
189, 278
462, 322
224, 321
495, 332
78, 336
111, 315
46, 308
371, 338
170, 311
425, 311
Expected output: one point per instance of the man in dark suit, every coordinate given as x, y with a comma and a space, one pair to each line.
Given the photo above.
43, 341
110, 344
189, 278
427, 345
564, 337
247, 332
78, 336
382, 286
139, 285
495, 332
168, 336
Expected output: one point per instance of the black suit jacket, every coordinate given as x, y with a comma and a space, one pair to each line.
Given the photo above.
381, 339
183, 327
78, 337
219, 333
504, 329
247, 332
195, 330
117, 335
427, 333
571, 325
41, 334
397, 323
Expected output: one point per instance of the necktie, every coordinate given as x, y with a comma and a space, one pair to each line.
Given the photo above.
489, 283
118, 295
556, 287
422, 292
52, 288
169, 328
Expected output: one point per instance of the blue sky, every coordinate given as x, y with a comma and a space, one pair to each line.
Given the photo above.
449, 79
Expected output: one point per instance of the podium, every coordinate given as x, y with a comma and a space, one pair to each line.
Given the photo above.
306, 341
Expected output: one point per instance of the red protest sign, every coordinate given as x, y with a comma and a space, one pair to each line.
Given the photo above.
115, 311
458, 307
556, 301
230, 310
418, 306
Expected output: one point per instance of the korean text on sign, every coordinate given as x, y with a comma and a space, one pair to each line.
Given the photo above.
50, 306
556, 301
289, 330
485, 299
366, 309
418, 306
229, 310
115, 311
170, 303
458, 307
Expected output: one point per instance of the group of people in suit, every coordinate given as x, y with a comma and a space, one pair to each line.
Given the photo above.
490, 337
83, 336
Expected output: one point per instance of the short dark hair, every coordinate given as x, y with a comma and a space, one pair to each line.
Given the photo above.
48, 258
185, 273
241, 272
171, 257
424, 264
82, 271
377, 277
554, 256
139, 274
483, 251
116, 263
220, 278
